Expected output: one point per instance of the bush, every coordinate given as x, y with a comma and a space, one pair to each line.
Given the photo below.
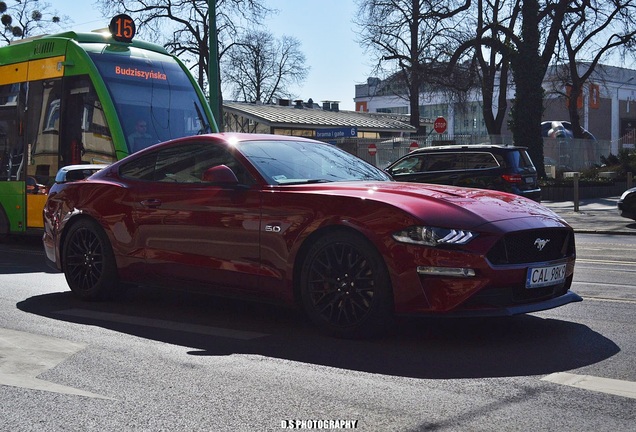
583, 182
621, 164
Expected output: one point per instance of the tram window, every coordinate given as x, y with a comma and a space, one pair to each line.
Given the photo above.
86, 137
42, 129
52, 123
11, 147
9, 95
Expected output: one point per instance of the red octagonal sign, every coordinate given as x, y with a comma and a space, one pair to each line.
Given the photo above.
372, 149
440, 125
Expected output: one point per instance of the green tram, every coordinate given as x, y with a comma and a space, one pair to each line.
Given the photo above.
85, 98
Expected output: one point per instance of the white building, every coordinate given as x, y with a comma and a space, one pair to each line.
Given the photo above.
607, 108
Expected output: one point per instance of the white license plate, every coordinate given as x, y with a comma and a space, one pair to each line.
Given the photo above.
543, 276
530, 180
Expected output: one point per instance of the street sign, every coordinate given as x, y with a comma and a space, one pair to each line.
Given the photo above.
347, 132
440, 125
413, 146
372, 149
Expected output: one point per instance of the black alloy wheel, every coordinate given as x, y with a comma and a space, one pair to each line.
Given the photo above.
88, 262
345, 286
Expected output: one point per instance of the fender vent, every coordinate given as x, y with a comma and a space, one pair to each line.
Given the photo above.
44, 48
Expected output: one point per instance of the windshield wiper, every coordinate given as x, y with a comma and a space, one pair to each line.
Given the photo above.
206, 128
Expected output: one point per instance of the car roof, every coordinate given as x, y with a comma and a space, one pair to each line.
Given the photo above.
227, 139
243, 136
224, 138
475, 147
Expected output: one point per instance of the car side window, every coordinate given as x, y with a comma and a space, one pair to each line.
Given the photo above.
408, 165
482, 160
142, 168
442, 162
184, 164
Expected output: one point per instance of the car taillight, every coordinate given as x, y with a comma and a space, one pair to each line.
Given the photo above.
512, 178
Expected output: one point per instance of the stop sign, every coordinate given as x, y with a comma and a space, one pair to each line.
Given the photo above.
413, 146
440, 125
372, 149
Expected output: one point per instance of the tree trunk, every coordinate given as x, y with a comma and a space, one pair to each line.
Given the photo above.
527, 68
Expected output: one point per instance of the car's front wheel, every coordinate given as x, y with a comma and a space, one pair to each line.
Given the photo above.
88, 262
345, 287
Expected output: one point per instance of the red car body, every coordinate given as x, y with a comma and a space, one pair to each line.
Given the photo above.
253, 237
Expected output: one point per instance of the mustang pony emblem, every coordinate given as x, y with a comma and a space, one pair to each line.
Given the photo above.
540, 243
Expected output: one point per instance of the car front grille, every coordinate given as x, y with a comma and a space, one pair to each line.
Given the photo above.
531, 246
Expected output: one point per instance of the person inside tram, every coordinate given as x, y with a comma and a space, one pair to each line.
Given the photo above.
140, 138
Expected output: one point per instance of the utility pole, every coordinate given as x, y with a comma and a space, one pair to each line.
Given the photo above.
216, 104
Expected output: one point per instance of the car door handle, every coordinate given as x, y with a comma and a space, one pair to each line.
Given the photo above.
151, 203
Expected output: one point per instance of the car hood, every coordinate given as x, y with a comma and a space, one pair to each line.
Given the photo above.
443, 205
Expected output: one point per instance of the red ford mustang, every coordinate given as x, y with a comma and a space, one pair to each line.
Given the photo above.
302, 222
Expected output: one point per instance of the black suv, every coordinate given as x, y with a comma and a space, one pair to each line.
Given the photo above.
503, 168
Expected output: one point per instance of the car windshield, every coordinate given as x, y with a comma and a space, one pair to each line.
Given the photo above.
298, 162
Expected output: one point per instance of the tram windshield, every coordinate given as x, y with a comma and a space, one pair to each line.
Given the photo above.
154, 99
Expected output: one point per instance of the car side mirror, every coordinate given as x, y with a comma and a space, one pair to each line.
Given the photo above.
220, 174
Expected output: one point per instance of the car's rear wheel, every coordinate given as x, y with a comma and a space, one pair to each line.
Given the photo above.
345, 287
89, 263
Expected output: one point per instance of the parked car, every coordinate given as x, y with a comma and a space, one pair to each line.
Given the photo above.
495, 167
627, 204
77, 172
304, 223
563, 130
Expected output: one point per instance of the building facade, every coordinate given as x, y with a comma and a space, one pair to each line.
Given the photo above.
607, 108
324, 122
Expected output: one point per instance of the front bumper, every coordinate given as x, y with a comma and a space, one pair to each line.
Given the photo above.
568, 297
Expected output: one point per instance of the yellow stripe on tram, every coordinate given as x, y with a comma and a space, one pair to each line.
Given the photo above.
46, 68
14, 73
33, 70
35, 206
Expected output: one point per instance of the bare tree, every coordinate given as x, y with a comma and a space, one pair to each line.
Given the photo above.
589, 34
26, 18
263, 68
494, 65
186, 22
411, 34
528, 55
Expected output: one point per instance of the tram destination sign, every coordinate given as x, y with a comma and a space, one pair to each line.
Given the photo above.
330, 133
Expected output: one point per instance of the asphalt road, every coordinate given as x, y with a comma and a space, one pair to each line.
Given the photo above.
171, 361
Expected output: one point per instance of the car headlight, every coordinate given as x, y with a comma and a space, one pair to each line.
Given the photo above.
433, 236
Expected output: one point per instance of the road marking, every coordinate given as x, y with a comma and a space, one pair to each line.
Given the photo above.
585, 246
592, 261
24, 356
597, 384
608, 299
162, 324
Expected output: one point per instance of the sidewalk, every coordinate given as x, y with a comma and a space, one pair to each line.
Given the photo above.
598, 215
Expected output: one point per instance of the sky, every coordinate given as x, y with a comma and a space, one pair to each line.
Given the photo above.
325, 31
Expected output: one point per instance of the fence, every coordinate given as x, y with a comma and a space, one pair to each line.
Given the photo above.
560, 155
